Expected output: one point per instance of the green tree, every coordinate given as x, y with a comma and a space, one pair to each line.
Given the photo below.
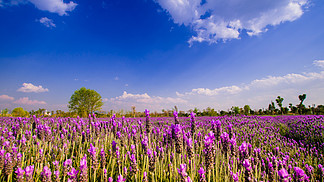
271, 107
246, 109
279, 101
85, 101
301, 106
236, 110
4, 112
19, 112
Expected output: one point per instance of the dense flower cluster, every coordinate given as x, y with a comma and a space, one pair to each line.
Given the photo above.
236, 148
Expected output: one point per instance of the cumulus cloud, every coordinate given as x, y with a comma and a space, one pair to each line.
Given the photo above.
47, 22
29, 87
142, 101
6, 98
223, 20
319, 63
53, 6
206, 91
145, 98
27, 101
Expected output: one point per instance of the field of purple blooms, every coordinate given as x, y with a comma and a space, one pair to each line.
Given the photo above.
205, 149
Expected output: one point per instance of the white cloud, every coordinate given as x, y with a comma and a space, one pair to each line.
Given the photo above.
116, 78
29, 87
205, 91
287, 79
143, 101
6, 98
26, 101
223, 20
47, 22
105, 99
319, 63
53, 6
263, 83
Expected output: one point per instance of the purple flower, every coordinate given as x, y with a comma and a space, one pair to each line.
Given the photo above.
57, 174
133, 148
83, 163
235, 176
110, 179
149, 153
132, 158
243, 147
188, 179
144, 177
182, 170
46, 174
247, 165
29, 170
208, 141
283, 174
19, 172
56, 163
120, 178
92, 150
147, 112
73, 173
201, 171
68, 162
189, 142
299, 173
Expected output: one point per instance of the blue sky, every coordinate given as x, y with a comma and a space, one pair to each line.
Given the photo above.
156, 54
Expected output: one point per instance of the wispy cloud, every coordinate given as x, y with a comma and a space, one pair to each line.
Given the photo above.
319, 63
6, 98
223, 20
47, 22
29, 87
116, 78
27, 101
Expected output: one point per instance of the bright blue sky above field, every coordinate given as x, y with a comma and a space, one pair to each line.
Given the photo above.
156, 54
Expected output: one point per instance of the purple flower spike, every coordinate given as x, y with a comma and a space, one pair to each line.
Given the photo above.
110, 179
202, 176
92, 150
46, 174
299, 174
283, 175
175, 113
120, 178
147, 112
247, 165
19, 172
188, 179
182, 172
201, 171
73, 174
145, 179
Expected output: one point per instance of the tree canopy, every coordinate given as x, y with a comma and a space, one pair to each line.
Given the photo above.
19, 112
85, 101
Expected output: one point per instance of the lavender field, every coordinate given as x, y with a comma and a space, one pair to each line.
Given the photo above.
226, 148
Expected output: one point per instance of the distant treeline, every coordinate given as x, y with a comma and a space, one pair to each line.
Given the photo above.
299, 109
